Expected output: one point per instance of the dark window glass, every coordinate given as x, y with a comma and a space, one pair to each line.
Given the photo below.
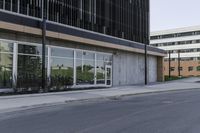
172, 69
29, 49
29, 72
14, 5
1, 4
181, 68
29, 76
198, 68
190, 68
8, 5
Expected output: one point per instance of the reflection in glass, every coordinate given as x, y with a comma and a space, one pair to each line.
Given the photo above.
102, 61
62, 68
108, 76
29, 68
100, 72
6, 47
61, 52
85, 68
61, 73
6, 70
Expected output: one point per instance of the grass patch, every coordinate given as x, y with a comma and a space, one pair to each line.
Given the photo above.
167, 78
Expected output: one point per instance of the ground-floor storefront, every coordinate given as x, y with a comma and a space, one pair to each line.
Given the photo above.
74, 58
21, 67
70, 66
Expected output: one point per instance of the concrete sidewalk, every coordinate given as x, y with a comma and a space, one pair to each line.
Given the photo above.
18, 102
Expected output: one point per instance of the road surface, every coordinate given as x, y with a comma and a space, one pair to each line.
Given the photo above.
172, 112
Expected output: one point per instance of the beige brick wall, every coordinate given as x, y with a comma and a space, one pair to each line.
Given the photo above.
185, 65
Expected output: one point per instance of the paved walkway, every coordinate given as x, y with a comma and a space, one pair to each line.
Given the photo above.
18, 102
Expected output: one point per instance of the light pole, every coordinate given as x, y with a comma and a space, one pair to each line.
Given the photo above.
169, 64
179, 64
43, 45
146, 78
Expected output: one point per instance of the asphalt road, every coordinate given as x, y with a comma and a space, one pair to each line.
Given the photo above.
174, 112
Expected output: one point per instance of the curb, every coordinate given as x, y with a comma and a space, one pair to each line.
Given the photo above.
90, 99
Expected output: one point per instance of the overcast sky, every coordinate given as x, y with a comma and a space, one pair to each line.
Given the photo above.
167, 14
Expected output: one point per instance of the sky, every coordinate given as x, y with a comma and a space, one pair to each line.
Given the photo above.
169, 14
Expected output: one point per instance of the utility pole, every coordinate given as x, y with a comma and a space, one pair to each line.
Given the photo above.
146, 51
43, 45
169, 64
146, 71
179, 64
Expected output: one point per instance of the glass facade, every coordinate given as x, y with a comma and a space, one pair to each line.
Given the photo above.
65, 68
175, 35
62, 65
6, 58
103, 61
85, 67
128, 19
26, 7
29, 67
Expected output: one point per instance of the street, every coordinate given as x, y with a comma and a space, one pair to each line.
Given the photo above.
169, 112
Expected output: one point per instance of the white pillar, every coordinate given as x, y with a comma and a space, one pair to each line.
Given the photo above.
95, 69
15, 60
49, 66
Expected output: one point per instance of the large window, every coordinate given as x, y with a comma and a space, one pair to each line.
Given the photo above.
29, 67
100, 71
26, 7
8, 5
103, 60
62, 68
6, 58
198, 68
190, 68
21, 67
85, 67
1, 4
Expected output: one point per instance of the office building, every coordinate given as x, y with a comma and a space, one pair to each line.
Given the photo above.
183, 46
88, 43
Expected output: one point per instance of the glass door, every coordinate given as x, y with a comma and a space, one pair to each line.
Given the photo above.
108, 76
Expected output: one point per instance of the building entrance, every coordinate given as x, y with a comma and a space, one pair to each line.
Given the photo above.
108, 76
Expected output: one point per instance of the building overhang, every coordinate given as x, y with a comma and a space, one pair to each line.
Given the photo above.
30, 25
